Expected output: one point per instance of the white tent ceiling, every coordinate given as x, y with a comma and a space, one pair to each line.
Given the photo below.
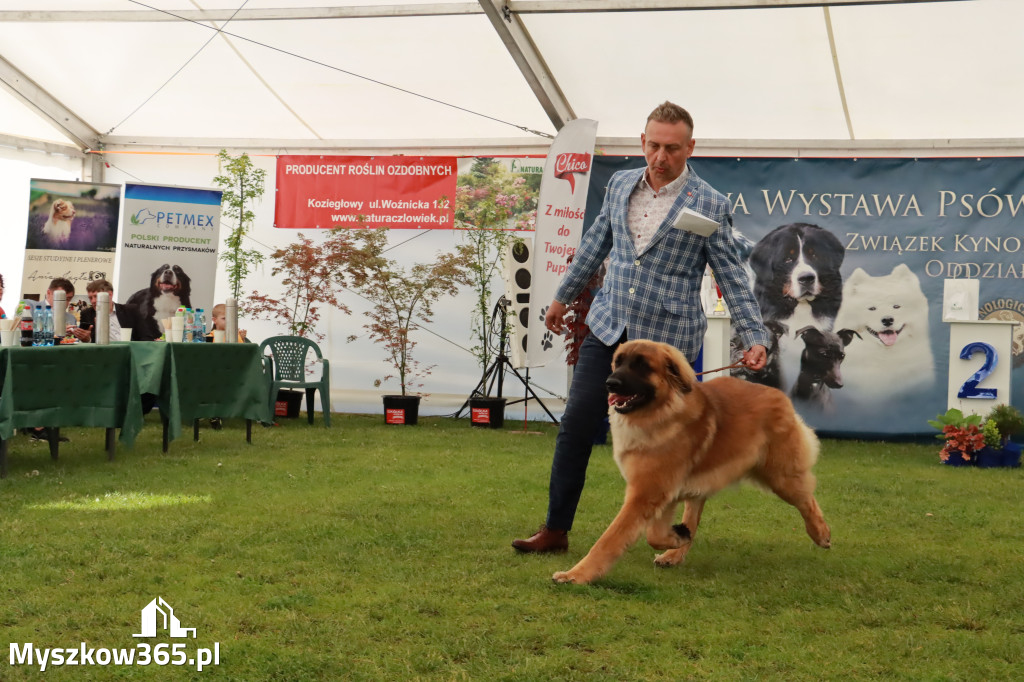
303, 74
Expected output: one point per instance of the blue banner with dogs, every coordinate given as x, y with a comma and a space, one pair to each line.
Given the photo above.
848, 259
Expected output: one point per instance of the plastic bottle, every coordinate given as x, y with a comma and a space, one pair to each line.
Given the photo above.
26, 326
48, 326
37, 325
199, 330
179, 335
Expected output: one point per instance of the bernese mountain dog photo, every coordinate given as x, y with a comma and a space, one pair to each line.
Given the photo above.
169, 289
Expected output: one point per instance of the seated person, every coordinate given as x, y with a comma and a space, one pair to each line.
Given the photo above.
220, 322
121, 315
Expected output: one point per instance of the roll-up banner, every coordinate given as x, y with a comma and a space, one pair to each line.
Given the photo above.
560, 212
170, 237
72, 234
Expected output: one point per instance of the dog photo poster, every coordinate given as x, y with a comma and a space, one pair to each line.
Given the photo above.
848, 260
168, 248
72, 233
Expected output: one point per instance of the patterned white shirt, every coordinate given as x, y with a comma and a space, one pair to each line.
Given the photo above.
647, 208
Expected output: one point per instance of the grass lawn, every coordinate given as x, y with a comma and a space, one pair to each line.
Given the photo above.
374, 552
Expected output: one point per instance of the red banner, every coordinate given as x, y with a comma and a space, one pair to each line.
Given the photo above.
365, 191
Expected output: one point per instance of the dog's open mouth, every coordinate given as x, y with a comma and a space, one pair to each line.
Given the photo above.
888, 337
624, 403
167, 286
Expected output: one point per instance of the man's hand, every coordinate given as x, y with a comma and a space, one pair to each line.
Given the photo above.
83, 335
555, 318
756, 358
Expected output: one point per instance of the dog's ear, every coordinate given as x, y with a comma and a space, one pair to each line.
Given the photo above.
804, 332
678, 372
847, 335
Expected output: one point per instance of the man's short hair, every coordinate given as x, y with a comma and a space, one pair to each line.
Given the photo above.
65, 284
98, 285
667, 112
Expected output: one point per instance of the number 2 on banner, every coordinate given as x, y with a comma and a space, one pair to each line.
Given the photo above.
969, 389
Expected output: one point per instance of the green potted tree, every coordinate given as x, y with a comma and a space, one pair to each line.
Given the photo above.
242, 184
402, 299
491, 204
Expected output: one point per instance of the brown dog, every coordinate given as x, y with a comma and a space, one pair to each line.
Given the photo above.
679, 440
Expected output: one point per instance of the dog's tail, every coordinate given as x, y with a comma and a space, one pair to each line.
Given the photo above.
812, 447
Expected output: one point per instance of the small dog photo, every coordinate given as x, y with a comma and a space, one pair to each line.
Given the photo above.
57, 229
169, 289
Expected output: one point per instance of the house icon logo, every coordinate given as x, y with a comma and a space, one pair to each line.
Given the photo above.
158, 611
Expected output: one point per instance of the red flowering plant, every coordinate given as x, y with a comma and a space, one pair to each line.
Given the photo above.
576, 317
963, 434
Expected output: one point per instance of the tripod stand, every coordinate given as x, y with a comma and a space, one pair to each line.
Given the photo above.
495, 372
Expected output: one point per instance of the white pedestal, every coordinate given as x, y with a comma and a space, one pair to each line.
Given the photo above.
990, 365
716, 342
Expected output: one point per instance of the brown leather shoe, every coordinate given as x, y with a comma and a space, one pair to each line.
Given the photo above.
544, 541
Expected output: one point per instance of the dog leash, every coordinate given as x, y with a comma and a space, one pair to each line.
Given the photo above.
721, 369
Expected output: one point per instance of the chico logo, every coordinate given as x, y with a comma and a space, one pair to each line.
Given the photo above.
566, 165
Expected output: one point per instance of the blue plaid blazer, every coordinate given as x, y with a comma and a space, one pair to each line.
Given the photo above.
655, 294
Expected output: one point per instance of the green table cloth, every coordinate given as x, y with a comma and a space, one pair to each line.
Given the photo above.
198, 380
81, 385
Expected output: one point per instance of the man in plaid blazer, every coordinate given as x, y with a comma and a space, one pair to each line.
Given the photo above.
651, 291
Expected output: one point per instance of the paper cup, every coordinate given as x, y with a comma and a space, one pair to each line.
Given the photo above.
126, 333
177, 328
218, 336
10, 337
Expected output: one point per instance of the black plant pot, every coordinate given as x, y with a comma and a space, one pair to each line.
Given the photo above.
487, 412
401, 409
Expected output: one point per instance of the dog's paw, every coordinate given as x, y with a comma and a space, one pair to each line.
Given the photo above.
564, 577
673, 557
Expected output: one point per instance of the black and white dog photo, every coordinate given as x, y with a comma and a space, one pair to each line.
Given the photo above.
169, 288
797, 283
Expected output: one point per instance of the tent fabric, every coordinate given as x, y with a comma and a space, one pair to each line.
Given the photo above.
884, 72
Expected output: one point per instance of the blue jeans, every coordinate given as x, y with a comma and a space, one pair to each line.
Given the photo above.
586, 407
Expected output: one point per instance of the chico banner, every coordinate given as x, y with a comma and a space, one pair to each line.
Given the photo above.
365, 192
72, 233
860, 248
560, 211
168, 249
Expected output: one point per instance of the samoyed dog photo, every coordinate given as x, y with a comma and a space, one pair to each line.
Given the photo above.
893, 355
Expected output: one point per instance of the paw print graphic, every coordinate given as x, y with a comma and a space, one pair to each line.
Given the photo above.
545, 341
544, 313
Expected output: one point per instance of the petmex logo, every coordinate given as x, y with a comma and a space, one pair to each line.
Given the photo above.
139, 219
171, 218
570, 163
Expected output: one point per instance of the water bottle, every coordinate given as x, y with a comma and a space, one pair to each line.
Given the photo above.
199, 332
48, 326
37, 325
